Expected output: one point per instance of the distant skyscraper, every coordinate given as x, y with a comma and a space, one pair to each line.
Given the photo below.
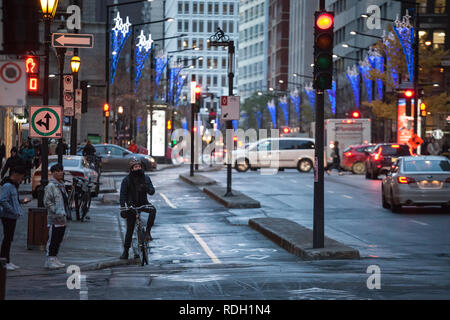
252, 61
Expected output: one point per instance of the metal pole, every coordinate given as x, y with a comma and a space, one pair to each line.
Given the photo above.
192, 140
45, 101
74, 127
107, 74
61, 55
416, 68
228, 123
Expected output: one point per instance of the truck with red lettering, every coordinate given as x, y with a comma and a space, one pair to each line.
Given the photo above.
347, 131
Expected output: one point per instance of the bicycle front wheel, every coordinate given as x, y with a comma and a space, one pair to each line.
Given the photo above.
143, 252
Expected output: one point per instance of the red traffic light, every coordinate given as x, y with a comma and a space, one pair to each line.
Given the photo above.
32, 64
286, 130
409, 93
235, 138
106, 107
324, 21
356, 114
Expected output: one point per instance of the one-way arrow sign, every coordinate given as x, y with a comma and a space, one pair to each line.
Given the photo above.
72, 40
46, 124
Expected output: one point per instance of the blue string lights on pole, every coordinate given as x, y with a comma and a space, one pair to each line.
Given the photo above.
174, 71
405, 33
376, 61
180, 84
235, 124
364, 68
295, 99
258, 116
143, 49
284, 105
311, 94
353, 78
119, 35
389, 46
160, 65
273, 112
332, 95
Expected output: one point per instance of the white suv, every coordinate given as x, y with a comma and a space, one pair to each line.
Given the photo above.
278, 153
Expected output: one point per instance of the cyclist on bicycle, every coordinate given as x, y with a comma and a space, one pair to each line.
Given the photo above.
133, 192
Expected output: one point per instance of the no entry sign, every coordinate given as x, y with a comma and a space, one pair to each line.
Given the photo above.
45, 121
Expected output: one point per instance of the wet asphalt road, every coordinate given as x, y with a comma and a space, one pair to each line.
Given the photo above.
203, 251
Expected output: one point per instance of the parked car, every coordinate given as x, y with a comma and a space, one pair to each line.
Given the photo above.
286, 152
382, 157
74, 166
354, 158
417, 181
116, 158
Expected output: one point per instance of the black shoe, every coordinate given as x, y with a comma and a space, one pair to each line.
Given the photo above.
124, 255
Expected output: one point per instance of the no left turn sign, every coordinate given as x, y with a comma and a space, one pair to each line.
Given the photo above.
45, 121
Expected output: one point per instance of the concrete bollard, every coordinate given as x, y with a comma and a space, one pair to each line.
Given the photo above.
2, 278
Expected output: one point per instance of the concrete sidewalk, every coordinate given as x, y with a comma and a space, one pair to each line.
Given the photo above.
91, 245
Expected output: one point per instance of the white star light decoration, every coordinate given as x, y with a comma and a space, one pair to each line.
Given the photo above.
309, 87
294, 93
120, 26
143, 42
283, 99
404, 23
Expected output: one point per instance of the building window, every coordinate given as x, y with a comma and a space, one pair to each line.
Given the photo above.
231, 29
186, 7
438, 38
200, 26
178, 44
208, 80
194, 26
185, 43
208, 63
186, 26
200, 79
180, 7
202, 8
195, 8
439, 6
200, 44
231, 8
215, 63
214, 81
210, 8
200, 64
224, 63
209, 26
180, 26
224, 81
194, 43
225, 8
216, 8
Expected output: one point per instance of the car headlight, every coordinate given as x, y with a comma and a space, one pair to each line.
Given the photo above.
150, 159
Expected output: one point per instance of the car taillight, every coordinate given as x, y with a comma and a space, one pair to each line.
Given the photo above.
76, 174
348, 154
405, 180
378, 156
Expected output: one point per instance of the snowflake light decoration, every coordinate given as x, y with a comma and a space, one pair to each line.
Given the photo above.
284, 105
388, 41
353, 78
332, 95
405, 33
142, 53
258, 116
295, 99
273, 112
376, 62
119, 35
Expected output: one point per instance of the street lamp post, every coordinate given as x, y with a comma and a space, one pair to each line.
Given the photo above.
48, 10
61, 55
220, 39
75, 63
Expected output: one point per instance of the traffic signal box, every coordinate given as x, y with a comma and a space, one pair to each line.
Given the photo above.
32, 70
408, 95
323, 50
198, 98
423, 110
106, 110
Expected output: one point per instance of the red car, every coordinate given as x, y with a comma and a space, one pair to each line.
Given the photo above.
354, 158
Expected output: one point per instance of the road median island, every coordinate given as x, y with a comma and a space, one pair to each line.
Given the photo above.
196, 179
238, 200
298, 240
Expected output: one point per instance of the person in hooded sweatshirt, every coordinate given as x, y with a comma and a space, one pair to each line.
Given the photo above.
133, 192
13, 161
10, 211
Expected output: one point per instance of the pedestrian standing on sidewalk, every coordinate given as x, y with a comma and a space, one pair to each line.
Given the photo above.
56, 202
10, 211
133, 147
27, 154
133, 192
12, 162
336, 159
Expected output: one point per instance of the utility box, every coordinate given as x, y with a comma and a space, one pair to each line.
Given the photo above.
37, 228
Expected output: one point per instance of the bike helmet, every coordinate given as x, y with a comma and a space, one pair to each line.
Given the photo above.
133, 162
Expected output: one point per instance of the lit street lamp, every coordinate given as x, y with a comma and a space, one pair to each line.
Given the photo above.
48, 12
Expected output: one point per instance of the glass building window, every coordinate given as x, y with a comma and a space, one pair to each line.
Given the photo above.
215, 63
200, 64
224, 81
230, 28
186, 26
202, 8
216, 8
231, 8
180, 7
224, 63
210, 8
208, 80
225, 8
439, 6
180, 26
186, 7
194, 26
214, 81
438, 38
200, 26
195, 8
209, 26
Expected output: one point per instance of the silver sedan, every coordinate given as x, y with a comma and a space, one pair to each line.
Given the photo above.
417, 181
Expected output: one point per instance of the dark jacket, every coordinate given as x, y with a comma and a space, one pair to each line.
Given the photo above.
125, 197
89, 150
11, 163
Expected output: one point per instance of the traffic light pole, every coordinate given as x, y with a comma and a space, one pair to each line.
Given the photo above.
61, 55
191, 173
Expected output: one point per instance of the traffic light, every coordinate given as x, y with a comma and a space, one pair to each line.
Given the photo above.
323, 50
286, 130
32, 70
84, 96
408, 94
356, 115
423, 110
169, 125
20, 26
198, 98
106, 110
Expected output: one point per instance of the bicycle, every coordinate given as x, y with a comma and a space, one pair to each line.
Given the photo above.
79, 197
140, 243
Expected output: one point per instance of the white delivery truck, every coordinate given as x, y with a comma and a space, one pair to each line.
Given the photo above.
347, 131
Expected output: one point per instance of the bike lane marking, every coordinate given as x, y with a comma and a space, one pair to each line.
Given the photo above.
203, 244
348, 197
168, 201
418, 222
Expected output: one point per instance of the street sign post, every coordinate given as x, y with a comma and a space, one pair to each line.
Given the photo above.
68, 105
45, 122
72, 40
68, 83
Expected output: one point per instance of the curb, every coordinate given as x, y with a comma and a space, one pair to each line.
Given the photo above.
297, 240
238, 200
196, 180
